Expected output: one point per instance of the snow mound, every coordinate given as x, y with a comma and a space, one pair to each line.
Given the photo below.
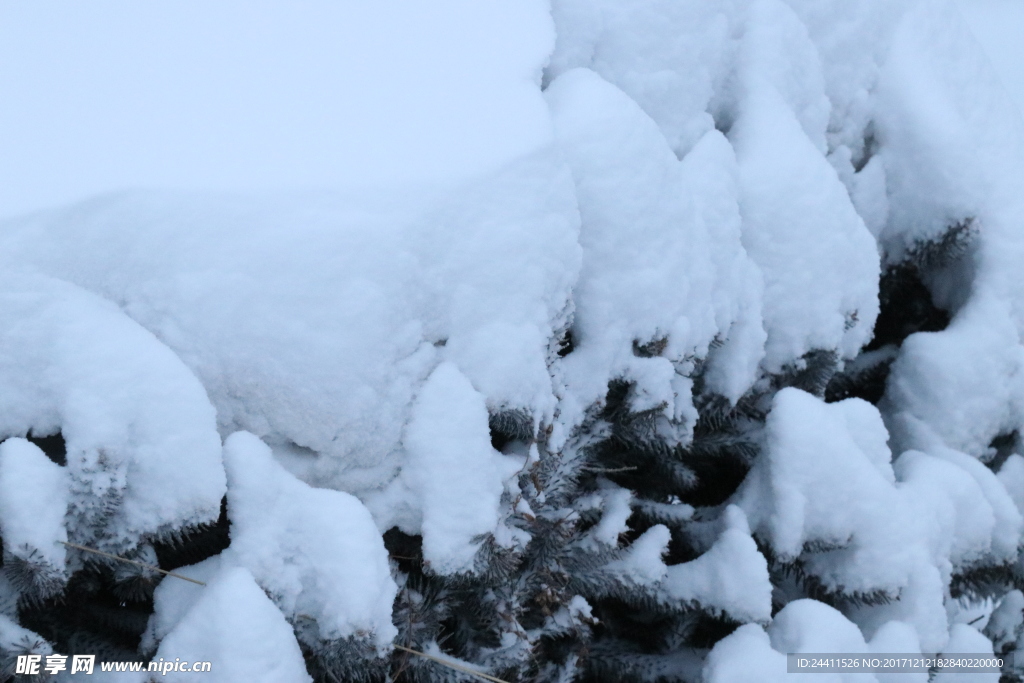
235, 626
311, 319
316, 552
965, 639
453, 471
143, 454
820, 263
820, 484
745, 655
664, 273
731, 577
817, 482
172, 599
824, 495
647, 272
897, 636
33, 503
669, 57
812, 626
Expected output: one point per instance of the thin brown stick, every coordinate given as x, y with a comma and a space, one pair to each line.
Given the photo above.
452, 665
124, 559
608, 470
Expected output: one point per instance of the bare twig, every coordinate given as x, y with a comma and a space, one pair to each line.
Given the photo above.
136, 563
451, 665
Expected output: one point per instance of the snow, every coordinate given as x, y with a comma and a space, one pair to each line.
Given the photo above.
16, 640
650, 273
711, 175
666, 56
819, 482
394, 216
901, 528
33, 502
316, 552
143, 453
240, 96
966, 639
235, 626
731, 577
453, 471
172, 599
819, 261
615, 513
926, 386
746, 655
642, 563
646, 273
897, 637
1011, 474
851, 39
392, 284
1004, 624
812, 626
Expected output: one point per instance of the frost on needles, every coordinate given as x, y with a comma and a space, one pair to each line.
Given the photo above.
730, 366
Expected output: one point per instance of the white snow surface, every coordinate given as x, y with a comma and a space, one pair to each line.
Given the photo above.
172, 599
33, 502
966, 639
892, 637
311, 320
685, 185
452, 471
819, 261
650, 272
316, 552
746, 655
951, 146
234, 625
731, 577
805, 626
825, 484
139, 430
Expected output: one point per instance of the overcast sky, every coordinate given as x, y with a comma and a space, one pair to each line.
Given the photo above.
108, 94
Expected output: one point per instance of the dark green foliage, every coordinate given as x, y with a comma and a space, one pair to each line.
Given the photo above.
105, 605
982, 581
9, 653
503, 615
906, 307
89, 617
52, 445
565, 344
32, 576
705, 471
944, 250
812, 374
792, 581
195, 544
548, 604
1001, 448
906, 304
508, 426
864, 378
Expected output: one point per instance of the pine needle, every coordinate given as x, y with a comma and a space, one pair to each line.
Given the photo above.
136, 563
451, 665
